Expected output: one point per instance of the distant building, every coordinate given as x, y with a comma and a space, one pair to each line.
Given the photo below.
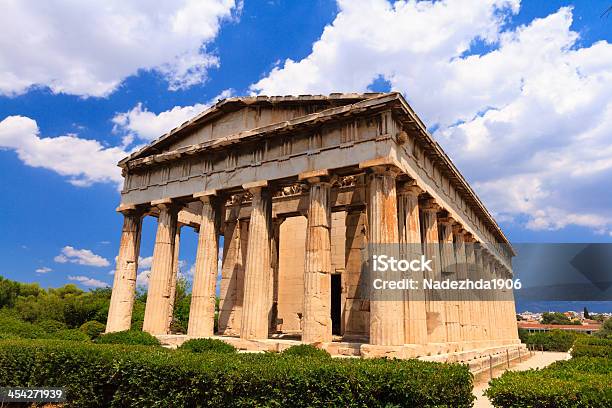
535, 327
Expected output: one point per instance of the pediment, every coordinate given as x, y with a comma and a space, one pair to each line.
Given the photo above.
234, 115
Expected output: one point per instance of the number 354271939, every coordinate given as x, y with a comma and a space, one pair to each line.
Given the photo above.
32, 394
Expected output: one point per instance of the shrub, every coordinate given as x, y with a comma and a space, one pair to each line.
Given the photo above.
550, 388
18, 328
306, 350
583, 381
554, 340
206, 345
93, 328
128, 337
51, 326
69, 334
123, 375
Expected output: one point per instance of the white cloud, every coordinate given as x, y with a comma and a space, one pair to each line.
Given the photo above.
83, 161
88, 282
142, 279
533, 109
145, 263
44, 269
88, 48
81, 257
146, 125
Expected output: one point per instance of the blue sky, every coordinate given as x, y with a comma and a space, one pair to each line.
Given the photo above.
518, 94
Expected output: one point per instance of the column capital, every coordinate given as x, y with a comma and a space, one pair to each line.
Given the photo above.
409, 187
447, 221
130, 210
430, 205
316, 176
255, 186
205, 196
459, 230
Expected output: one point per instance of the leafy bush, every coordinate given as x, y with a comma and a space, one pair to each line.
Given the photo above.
122, 375
306, 350
583, 381
51, 326
69, 334
93, 329
550, 388
554, 340
128, 337
18, 328
206, 345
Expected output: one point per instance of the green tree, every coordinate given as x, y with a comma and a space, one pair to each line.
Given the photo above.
585, 313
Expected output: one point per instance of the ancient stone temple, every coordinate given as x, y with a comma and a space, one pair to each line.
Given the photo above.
297, 186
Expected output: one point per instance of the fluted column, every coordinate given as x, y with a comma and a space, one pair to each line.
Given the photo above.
415, 313
492, 304
158, 296
256, 303
485, 302
316, 320
124, 285
274, 261
464, 305
202, 309
448, 264
386, 312
436, 313
175, 272
473, 300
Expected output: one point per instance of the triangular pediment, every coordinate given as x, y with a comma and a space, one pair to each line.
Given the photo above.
235, 115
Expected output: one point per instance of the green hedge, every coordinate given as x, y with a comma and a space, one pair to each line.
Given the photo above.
583, 381
132, 337
306, 350
554, 340
207, 345
592, 347
93, 328
120, 375
551, 389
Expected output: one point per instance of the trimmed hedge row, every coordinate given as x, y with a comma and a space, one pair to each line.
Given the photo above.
593, 347
583, 381
555, 340
122, 375
130, 337
551, 389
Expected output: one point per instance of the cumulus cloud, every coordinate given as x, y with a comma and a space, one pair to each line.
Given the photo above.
145, 263
533, 108
83, 161
43, 270
88, 282
81, 257
146, 125
52, 43
142, 279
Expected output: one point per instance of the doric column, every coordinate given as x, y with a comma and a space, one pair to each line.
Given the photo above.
485, 302
513, 328
158, 296
473, 299
274, 261
436, 313
464, 305
175, 272
256, 303
202, 310
492, 304
415, 313
124, 285
448, 264
316, 318
386, 315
